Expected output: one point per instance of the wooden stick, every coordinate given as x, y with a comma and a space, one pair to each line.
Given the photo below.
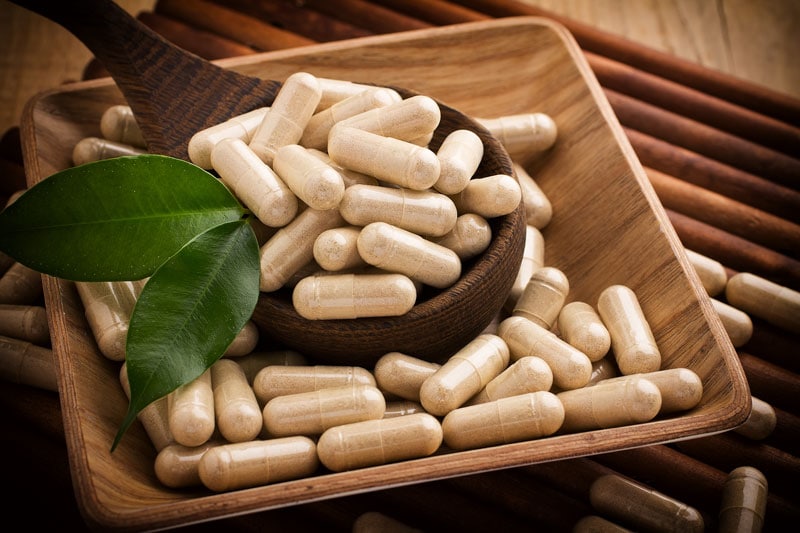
722, 212
786, 435
572, 477
756, 97
366, 15
773, 344
705, 140
437, 12
231, 24
203, 43
770, 382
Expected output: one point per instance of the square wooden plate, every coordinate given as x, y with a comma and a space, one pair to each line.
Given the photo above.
608, 227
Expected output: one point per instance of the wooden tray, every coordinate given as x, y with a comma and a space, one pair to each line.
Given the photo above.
608, 227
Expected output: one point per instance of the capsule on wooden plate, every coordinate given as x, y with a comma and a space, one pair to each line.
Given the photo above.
279, 380
526, 374
191, 411
177, 466
237, 412
635, 349
543, 297
403, 375
581, 326
681, 388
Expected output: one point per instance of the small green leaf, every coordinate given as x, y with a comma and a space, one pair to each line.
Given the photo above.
189, 312
115, 219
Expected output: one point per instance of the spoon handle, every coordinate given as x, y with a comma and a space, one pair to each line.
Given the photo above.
172, 92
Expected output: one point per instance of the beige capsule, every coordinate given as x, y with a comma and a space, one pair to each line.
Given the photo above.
314, 182
348, 296
191, 411
239, 127
765, 299
25, 322
406, 120
260, 462
712, 273
311, 413
20, 285
464, 374
397, 250
118, 123
761, 421
738, 324
90, 149
524, 133
377, 442
459, 156
335, 249
604, 368
469, 238
178, 466
426, 213
375, 522
256, 361
254, 183
490, 197
743, 504
154, 417
292, 108
581, 326
538, 209
237, 412
108, 306
335, 90
402, 408
516, 418
292, 246
385, 158
635, 349
350, 177
526, 374
607, 405
315, 134
645, 509
281, 380
571, 368
244, 342
543, 297
27, 364
402, 374
681, 388
532, 260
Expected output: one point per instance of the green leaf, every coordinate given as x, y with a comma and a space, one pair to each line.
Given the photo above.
115, 219
189, 312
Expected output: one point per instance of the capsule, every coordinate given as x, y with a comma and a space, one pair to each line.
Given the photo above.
239, 127
280, 380
711, 272
645, 509
532, 260
527, 374
538, 209
315, 134
469, 238
632, 341
311, 413
237, 412
178, 466
335, 90
581, 326
402, 375
20, 285
516, 418
108, 306
681, 388
402, 408
335, 249
737, 323
459, 156
765, 299
605, 368
377, 442
744, 501
543, 297
348, 296
425, 213
385, 158
154, 417
761, 421
524, 133
405, 120
27, 364
254, 183
606, 405
91, 149
260, 462
25, 322
464, 374
350, 177
191, 411
314, 182
374, 522
288, 116
119, 124
571, 368
489, 197
255, 362
292, 246
244, 342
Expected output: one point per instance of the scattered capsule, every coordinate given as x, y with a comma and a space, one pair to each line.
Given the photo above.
761, 421
538, 209
426, 213
524, 133
405, 120
289, 114
532, 260
526, 374
606, 405
543, 297
464, 374
27, 364
20, 285
459, 156
254, 362
237, 412
744, 501
260, 462
516, 418
490, 197
581, 326
25, 322
314, 182
108, 306
119, 124
350, 177
311, 413
244, 342
377, 442
335, 90
178, 466
375, 522
239, 127
92, 149
681, 388
765, 299
632, 341
335, 249
280, 380
153, 417
711, 272
469, 238
736, 322
402, 375
191, 411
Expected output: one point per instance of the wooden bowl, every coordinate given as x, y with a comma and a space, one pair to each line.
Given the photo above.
608, 227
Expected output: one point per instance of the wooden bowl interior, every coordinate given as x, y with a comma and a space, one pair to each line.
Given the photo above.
608, 227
